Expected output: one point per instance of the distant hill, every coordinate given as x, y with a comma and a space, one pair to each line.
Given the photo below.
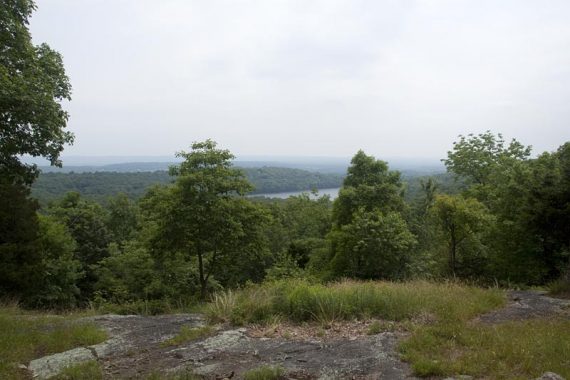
338, 165
100, 185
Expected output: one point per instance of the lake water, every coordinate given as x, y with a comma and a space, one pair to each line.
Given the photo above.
333, 193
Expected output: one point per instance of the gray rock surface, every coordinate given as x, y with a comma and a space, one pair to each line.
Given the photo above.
51, 365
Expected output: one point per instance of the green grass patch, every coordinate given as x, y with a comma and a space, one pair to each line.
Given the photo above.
301, 301
513, 350
188, 334
263, 373
29, 335
90, 370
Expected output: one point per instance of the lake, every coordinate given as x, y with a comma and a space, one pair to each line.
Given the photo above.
333, 193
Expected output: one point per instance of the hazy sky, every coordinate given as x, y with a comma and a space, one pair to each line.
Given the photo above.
395, 78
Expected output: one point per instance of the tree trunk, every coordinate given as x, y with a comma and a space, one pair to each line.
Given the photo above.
203, 280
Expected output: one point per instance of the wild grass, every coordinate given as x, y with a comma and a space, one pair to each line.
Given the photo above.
188, 334
263, 373
300, 301
28, 335
560, 288
513, 350
90, 370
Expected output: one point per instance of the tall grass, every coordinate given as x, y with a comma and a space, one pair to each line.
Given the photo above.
301, 301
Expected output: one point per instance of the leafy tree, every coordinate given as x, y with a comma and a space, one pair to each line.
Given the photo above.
123, 218
32, 86
60, 272
369, 184
204, 213
86, 221
19, 255
370, 238
374, 245
476, 157
460, 219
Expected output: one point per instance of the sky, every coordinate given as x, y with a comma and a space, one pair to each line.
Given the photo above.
395, 78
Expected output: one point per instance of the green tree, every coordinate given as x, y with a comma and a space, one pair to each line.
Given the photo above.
205, 215
123, 218
369, 184
19, 255
461, 219
60, 272
477, 157
374, 245
86, 222
370, 238
33, 85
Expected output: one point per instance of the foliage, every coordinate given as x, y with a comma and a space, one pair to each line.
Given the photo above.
370, 238
369, 185
374, 245
205, 215
462, 220
19, 255
60, 272
33, 85
86, 222
476, 157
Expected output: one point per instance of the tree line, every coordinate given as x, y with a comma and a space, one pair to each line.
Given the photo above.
98, 186
183, 240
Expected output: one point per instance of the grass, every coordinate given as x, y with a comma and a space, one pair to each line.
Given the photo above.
25, 336
444, 340
513, 350
300, 301
90, 370
188, 334
263, 373
560, 288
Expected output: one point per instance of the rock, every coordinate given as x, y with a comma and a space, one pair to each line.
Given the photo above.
49, 366
550, 376
110, 347
225, 340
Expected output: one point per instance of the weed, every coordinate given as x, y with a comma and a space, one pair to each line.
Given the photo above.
264, 373
85, 371
188, 334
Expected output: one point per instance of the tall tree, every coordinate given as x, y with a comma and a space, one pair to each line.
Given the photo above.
205, 215
370, 238
33, 85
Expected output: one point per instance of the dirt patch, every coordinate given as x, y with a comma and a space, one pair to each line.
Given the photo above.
527, 305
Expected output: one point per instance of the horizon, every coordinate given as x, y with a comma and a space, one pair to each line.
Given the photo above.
324, 78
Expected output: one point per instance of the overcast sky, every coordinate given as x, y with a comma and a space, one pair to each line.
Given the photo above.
323, 78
